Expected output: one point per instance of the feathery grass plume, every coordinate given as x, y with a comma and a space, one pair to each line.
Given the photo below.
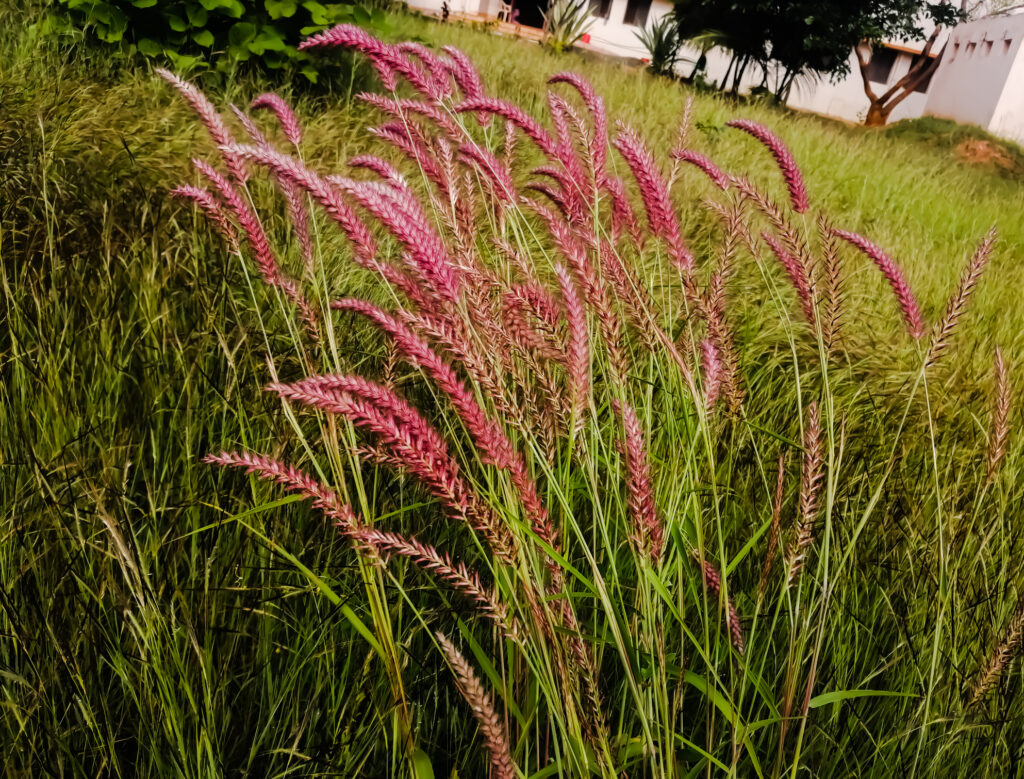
291, 478
254, 132
775, 528
437, 67
380, 166
479, 701
401, 108
511, 113
409, 139
683, 130
389, 61
464, 72
1000, 430
623, 216
648, 529
1003, 655
901, 289
713, 581
712, 373
783, 158
712, 171
210, 206
958, 302
290, 168
296, 201
810, 488
263, 255
412, 444
494, 170
798, 276
833, 292
211, 119
285, 115
578, 349
456, 575
661, 214
399, 211
595, 105
494, 446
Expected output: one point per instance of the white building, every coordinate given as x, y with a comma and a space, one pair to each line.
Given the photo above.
979, 80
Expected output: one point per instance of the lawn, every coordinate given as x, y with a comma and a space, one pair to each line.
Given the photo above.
162, 617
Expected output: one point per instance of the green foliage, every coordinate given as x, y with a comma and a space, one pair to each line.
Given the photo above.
661, 39
197, 33
565, 22
805, 35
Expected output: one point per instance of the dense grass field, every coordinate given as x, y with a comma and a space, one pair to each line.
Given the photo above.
160, 617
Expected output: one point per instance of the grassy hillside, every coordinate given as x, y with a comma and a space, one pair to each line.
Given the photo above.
161, 619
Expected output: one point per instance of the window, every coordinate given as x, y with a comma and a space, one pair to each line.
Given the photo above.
880, 67
971, 47
601, 8
956, 50
986, 47
1006, 45
636, 12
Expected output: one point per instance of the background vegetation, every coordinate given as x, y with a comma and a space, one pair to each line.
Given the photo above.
158, 619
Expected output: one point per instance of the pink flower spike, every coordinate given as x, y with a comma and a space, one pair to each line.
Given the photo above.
660, 213
283, 112
212, 120
249, 125
904, 296
291, 169
712, 373
514, 114
783, 158
713, 172
797, 275
464, 72
647, 526
595, 104
381, 167
348, 36
205, 200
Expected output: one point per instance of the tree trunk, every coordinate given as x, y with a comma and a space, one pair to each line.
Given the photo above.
877, 116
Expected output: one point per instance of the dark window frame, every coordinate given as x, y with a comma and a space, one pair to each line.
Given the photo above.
637, 12
883, 60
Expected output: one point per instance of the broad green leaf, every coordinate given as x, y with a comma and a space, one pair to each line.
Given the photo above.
310, 73
317, 12
241, 34
143, 3
197, 15
203, 37
149, 47
281, 9
176, 22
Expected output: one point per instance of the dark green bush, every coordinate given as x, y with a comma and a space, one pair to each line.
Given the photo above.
217, 33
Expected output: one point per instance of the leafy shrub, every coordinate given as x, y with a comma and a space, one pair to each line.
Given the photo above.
661, 39
670, 546
565, 22
190, 33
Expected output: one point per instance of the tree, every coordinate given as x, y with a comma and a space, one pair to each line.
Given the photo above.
801, 36
904, 20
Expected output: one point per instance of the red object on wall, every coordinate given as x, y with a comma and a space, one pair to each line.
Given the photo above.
586, 37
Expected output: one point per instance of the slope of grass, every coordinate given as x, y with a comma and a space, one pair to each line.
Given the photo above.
156, 619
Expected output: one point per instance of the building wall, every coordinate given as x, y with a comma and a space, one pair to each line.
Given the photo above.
612, 36
1008, 120
971, 80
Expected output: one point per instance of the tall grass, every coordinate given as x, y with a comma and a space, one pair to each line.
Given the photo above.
161, 619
